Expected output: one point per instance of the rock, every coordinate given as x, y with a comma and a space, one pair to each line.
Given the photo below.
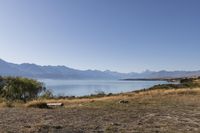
115, 124
124, 101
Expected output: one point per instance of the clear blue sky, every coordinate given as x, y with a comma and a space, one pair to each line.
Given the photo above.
120, 35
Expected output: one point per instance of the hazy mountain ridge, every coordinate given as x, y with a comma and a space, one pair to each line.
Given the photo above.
63, 72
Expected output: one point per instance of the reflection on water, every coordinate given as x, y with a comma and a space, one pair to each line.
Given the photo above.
88, 87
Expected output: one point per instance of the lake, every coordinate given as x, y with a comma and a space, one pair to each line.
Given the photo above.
88, 87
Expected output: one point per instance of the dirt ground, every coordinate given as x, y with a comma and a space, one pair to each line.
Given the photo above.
148, 112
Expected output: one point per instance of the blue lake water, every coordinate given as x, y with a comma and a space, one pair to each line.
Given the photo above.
88, 87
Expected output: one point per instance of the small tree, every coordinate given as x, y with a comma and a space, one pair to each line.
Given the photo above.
21, 89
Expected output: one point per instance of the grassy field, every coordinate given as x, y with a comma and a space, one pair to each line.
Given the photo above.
156, 110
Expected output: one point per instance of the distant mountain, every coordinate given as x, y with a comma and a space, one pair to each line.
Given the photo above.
63, 72
52, 72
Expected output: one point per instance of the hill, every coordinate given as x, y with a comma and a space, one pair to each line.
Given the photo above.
63, 72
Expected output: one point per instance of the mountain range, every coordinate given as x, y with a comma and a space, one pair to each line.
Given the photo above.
63, 72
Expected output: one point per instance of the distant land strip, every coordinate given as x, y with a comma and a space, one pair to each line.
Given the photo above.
154, 79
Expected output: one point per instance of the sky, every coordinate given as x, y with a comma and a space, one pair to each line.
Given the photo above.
118, 35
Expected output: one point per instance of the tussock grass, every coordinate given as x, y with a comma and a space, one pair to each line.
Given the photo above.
159, 96
167, 96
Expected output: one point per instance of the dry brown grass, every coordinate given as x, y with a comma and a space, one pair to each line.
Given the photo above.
152, 95
156, 96
168, 96
172, 110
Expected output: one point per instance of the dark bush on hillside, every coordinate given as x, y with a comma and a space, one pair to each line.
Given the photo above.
15, 88
165, 86
186, 80
184, 83
190, 85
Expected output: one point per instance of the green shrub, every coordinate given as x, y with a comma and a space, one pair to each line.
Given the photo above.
16, 88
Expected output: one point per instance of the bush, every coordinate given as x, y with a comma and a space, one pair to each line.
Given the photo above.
165, 86
16, 88
184, 83
186, 80
36, 104
1, 84
47, 94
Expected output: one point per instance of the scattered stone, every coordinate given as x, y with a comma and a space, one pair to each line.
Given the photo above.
58, 127
124, 101
27, 126
115, 124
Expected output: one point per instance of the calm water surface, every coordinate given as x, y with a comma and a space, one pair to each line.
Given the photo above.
88, 87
